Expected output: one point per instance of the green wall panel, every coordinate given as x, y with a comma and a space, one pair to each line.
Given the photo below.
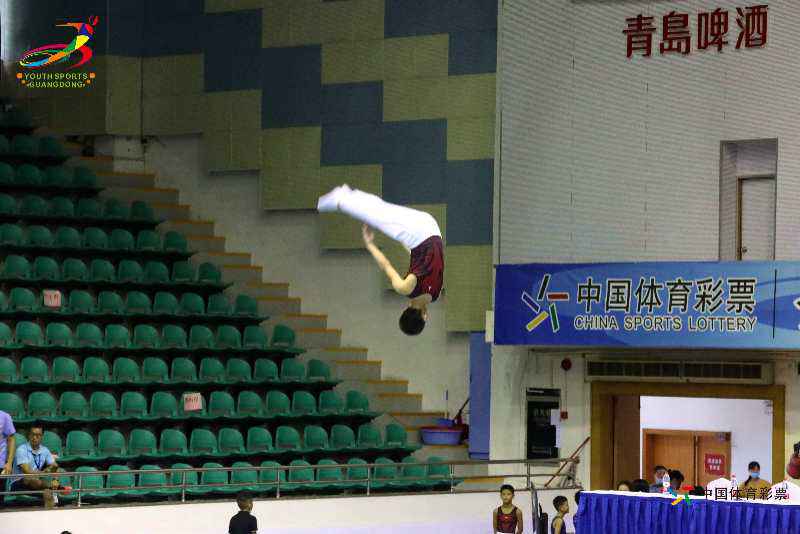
468, 286
339, 231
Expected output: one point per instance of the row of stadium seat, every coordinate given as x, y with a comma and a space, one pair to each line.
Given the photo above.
172, 337
325, 476
111, 210
57, 176
136, 303
125, 371
102, 406
29, 146
91, 239
127, 272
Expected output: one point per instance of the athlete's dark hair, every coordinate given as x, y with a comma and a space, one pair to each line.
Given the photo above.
558, 501
242, 499
677, 475
411, 322
508, 487
640, 485
578, 497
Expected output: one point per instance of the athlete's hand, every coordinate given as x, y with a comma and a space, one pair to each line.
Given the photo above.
369, 235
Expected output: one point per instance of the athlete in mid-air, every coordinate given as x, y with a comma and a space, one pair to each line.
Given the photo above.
416, 230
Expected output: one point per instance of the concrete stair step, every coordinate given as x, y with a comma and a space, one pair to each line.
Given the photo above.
297, 321
96, 163
188, 227
456, 453
166, 210
317, 337
241, 273
398, 402
330, 354
148, 194
222, 258
126, 179
357, 370
417, 419
264, 289
377, 387
272, 306
206, 243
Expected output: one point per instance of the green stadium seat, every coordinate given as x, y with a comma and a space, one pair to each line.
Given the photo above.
228, 337
28, 175
46, 268
95, 238
183, 272
39, 236
184, 370
207, 273
173, 443
192, 304
211, 482
11, 234
73, 269
23, 299
329, 475
181, 478
110, 303
111, 444
62, 207
6, 170
5, 146
141, 211
165, 303
142, 442
33, 206
8, 371
221, 404
88, 335
243, 479
66, 481
53, 442
245, 306
269, 479
33, 370
218, 305
277, 404
137, 303
8, 206
66, 370
174, 242
412, 475
3, 302
129, 271
249, 404
80, 302
154, 370
212, 371
254, 338
101, 271
369, 437
315, 438
146, 336
84, 177
437, 471
259, 440
342, 438
153, 485
24, 145
120, 483
42, 405
203, 442
200, 337
58, 335
89, 208
163, 404
117, 337
28, 333
156, 272
95, 370
49, 146
356, 402
301, 478
115, 209
292, 370
80, 446
12, 404
396, 436
125, 371
174, 337
69, 237
287, 438
283, 339
231, 441
303, 403
265, 371
384, 472
133, 405
148, 240
237, 370
103, 405
57, 176
16, 268
121, 240
318, 370
90, 483
6, 337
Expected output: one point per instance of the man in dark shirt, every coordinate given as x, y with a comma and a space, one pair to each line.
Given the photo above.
243, 522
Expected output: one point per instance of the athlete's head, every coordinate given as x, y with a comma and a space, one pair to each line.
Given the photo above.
245, 501
507, 493
412, 321
561, 504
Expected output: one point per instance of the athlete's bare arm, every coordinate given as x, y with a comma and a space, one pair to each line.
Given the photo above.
519, 521
403, 286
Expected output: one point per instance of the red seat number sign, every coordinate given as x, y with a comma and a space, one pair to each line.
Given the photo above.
715, 464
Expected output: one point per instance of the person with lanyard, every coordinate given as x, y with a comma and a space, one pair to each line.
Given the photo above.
754, 485
507, 518
30, 458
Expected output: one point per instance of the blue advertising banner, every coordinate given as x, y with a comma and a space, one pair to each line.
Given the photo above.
736, 305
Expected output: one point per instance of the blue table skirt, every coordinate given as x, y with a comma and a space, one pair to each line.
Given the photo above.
614, 513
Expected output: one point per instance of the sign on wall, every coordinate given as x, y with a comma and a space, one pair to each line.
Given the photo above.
714, 464
712, 30
657, 304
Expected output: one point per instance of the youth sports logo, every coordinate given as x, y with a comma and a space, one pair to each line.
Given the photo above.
547, 298
57, 53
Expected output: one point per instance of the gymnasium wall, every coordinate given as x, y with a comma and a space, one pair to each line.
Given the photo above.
392, 96
610, 158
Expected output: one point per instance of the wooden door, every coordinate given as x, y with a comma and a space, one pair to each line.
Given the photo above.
674, 449
713, 457
626, 450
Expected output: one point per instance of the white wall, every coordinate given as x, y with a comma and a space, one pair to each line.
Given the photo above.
418, 514
748, 421
345, 285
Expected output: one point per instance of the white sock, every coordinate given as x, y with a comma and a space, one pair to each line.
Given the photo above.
329, 202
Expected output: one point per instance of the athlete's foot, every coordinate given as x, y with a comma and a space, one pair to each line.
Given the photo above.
329, 202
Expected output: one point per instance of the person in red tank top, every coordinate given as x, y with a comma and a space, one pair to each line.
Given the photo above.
416, 230
507, 518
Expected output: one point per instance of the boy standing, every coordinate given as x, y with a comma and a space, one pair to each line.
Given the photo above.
561, 504
243, 522
507, 517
